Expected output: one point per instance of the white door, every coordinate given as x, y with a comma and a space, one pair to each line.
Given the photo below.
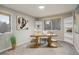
68, 29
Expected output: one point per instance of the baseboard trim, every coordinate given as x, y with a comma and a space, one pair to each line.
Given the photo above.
21, 43
5, 49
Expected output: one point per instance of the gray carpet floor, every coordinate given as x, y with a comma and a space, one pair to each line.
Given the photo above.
63, 48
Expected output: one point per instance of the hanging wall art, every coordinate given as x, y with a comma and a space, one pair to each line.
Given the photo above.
21, 23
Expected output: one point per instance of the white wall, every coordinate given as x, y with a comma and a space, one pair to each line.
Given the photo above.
76, 29
22, 36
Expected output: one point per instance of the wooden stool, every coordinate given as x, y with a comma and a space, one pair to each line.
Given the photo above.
53, 45
53, 40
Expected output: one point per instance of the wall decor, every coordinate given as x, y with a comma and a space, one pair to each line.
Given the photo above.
22, 23
38, 25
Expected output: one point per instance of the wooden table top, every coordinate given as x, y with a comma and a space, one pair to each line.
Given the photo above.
43, 35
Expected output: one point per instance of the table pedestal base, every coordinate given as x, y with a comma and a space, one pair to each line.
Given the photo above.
35, 46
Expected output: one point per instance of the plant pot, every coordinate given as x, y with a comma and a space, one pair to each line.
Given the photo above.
13, 46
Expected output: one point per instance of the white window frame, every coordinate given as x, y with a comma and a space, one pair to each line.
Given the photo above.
10, 22
51, 24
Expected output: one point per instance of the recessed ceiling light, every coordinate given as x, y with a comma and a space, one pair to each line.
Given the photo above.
41, 7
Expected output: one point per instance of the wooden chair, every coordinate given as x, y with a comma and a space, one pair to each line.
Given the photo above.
33, 42
53, 38
33, 39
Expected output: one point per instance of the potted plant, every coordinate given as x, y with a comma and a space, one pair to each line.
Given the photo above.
13, 41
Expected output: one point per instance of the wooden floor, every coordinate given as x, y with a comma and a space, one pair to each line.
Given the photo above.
63, 48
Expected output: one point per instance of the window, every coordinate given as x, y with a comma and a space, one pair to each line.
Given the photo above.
47, 25
56, 24
52, 24
5, 25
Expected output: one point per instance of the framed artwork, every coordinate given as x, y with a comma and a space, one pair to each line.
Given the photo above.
21, 23
38, 25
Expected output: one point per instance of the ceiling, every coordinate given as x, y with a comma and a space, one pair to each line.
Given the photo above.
50, 9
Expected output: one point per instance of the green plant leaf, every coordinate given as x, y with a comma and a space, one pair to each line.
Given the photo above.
13, 39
